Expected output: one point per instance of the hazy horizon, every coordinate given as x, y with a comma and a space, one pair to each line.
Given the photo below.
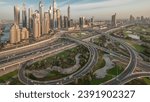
100, 9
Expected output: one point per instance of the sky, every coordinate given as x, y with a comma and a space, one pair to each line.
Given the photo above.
100, 9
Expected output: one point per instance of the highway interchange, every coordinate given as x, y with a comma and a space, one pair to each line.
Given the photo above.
66, 80
23, 57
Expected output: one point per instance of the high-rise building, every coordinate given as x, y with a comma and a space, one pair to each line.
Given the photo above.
65, 22
16, 15
58, 18
92, 21
113, 21
54, 15
61, 21
81, 22
24, 34
15, 34
68, 14
41, 11
46, 23
30, 20
36, 25
142, 18
71, 22
132, 19
50, 17
24, 16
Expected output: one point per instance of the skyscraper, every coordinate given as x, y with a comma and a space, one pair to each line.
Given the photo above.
65, 22
113, 21
24, 16
46, 23
92, 21
36, 25
81, 22
58, 18
15, 34
142, 19
132, 19
54, 15
30, 20
61, 21
68, 14
41, 11
71, 22
24, 34
16, 15
51, 17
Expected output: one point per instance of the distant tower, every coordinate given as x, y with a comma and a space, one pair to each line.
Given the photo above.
16, 15
24, 16
41, 11
15, 36
113, 21
81, 22
142, 18
132, 19
65, 21
54, 15
46, 23
61, 21
51, 17
24, 34
58, 18
68, 14
92, 21
36, 25
30, 20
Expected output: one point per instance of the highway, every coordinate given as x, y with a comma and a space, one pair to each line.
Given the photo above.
28, 48
135, 76
36, 56
131, 65
32, 52
140, 64
80, 73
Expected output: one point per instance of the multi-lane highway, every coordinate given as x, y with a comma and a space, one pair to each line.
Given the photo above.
140, 64
131, 65
135, 76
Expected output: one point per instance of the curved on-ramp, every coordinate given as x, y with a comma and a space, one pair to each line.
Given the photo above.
80, 73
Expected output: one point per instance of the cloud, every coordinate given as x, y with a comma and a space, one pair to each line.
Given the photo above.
2, 2
101, 4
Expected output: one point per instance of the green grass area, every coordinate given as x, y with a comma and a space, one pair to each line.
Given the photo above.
64, 59
141, 81
8, 76
111, 74
125, 34
115, 71
138, 48
15, 81
141, 30
147, 80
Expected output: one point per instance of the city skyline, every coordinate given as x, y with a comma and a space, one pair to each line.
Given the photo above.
101, 9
